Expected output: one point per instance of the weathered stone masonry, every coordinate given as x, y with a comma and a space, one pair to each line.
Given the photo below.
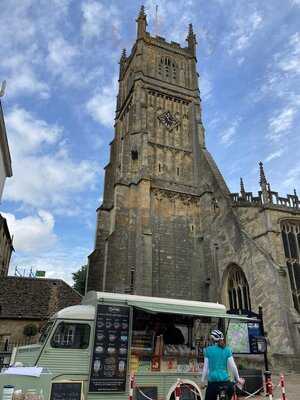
168, 225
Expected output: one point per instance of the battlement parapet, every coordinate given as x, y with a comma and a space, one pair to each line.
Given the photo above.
272, 198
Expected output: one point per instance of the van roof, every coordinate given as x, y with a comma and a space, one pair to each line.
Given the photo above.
93, 297
86, 311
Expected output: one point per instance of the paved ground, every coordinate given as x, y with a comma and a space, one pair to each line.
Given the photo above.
292, 388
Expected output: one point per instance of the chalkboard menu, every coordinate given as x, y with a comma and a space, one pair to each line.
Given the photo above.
66, 391
110, 352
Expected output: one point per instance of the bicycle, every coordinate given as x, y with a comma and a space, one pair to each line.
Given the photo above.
222, 391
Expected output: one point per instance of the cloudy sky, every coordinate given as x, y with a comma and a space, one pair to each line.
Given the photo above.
60, 60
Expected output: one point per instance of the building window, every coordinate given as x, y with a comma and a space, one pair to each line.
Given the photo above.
71, 336
132, 280
238, 290
167, 69
134, 155
290, 231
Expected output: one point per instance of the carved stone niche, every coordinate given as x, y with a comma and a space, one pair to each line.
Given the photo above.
157, 194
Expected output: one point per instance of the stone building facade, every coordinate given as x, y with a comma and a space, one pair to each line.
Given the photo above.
6, 247
168, 225
5, 160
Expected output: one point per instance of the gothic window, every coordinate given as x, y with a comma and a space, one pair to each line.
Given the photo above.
290, 231
238, 290
167, 69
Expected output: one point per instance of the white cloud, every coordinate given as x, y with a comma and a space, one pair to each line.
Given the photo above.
28, 134
292, 178
206, 87
280, 123
61, 54
289, 60
102, 105
44, 173
96, 17
32, 233
58, 262
283, 73
19, 71
245, 26
273, 155
169, 20
36, 50
228, 135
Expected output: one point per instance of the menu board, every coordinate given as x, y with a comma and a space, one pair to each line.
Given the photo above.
66, 391
110, 352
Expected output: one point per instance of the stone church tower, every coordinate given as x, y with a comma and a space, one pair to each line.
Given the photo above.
168, 225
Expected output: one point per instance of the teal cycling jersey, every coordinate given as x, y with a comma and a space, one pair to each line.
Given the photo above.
217, 363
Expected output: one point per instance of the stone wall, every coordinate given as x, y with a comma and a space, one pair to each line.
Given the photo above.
14, 330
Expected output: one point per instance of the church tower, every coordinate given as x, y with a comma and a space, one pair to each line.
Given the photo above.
147, 238
168, 225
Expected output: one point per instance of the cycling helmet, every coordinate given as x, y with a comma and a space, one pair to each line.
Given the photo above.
216, 335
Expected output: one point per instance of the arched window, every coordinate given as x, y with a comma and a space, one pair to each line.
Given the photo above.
167, 69
238, 290
290, 231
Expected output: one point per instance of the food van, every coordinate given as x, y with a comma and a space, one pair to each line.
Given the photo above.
91, 351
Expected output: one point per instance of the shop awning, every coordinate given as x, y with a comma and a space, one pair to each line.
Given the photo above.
183, 310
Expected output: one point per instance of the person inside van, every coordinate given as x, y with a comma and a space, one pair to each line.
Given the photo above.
173, 335
218, 361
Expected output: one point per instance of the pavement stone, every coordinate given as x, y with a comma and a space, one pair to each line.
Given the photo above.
292, 382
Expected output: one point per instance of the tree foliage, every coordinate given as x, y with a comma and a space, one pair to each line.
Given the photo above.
79, 279
30, 330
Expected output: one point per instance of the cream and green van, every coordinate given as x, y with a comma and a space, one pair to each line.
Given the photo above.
98, 349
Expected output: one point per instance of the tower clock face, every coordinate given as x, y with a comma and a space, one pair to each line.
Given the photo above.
168, 120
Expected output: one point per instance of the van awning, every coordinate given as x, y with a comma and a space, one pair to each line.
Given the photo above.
182, 310
164, 305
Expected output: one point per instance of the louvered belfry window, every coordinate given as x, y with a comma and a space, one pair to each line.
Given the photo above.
290, 231
167, 69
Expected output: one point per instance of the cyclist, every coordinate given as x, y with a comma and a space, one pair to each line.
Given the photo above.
218, 360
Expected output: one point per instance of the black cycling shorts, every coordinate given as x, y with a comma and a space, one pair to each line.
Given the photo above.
213, 389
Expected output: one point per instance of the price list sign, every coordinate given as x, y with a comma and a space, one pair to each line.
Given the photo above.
110, 352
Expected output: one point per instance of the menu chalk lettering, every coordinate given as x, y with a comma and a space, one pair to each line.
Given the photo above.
66, 391
110, 351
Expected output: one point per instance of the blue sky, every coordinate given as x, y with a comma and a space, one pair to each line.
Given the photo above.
60, 60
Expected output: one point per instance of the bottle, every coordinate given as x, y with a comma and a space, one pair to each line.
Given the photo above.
8, 391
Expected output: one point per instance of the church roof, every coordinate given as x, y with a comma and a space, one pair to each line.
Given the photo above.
34, 298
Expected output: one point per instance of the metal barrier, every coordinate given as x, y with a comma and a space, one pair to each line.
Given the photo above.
269, 388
